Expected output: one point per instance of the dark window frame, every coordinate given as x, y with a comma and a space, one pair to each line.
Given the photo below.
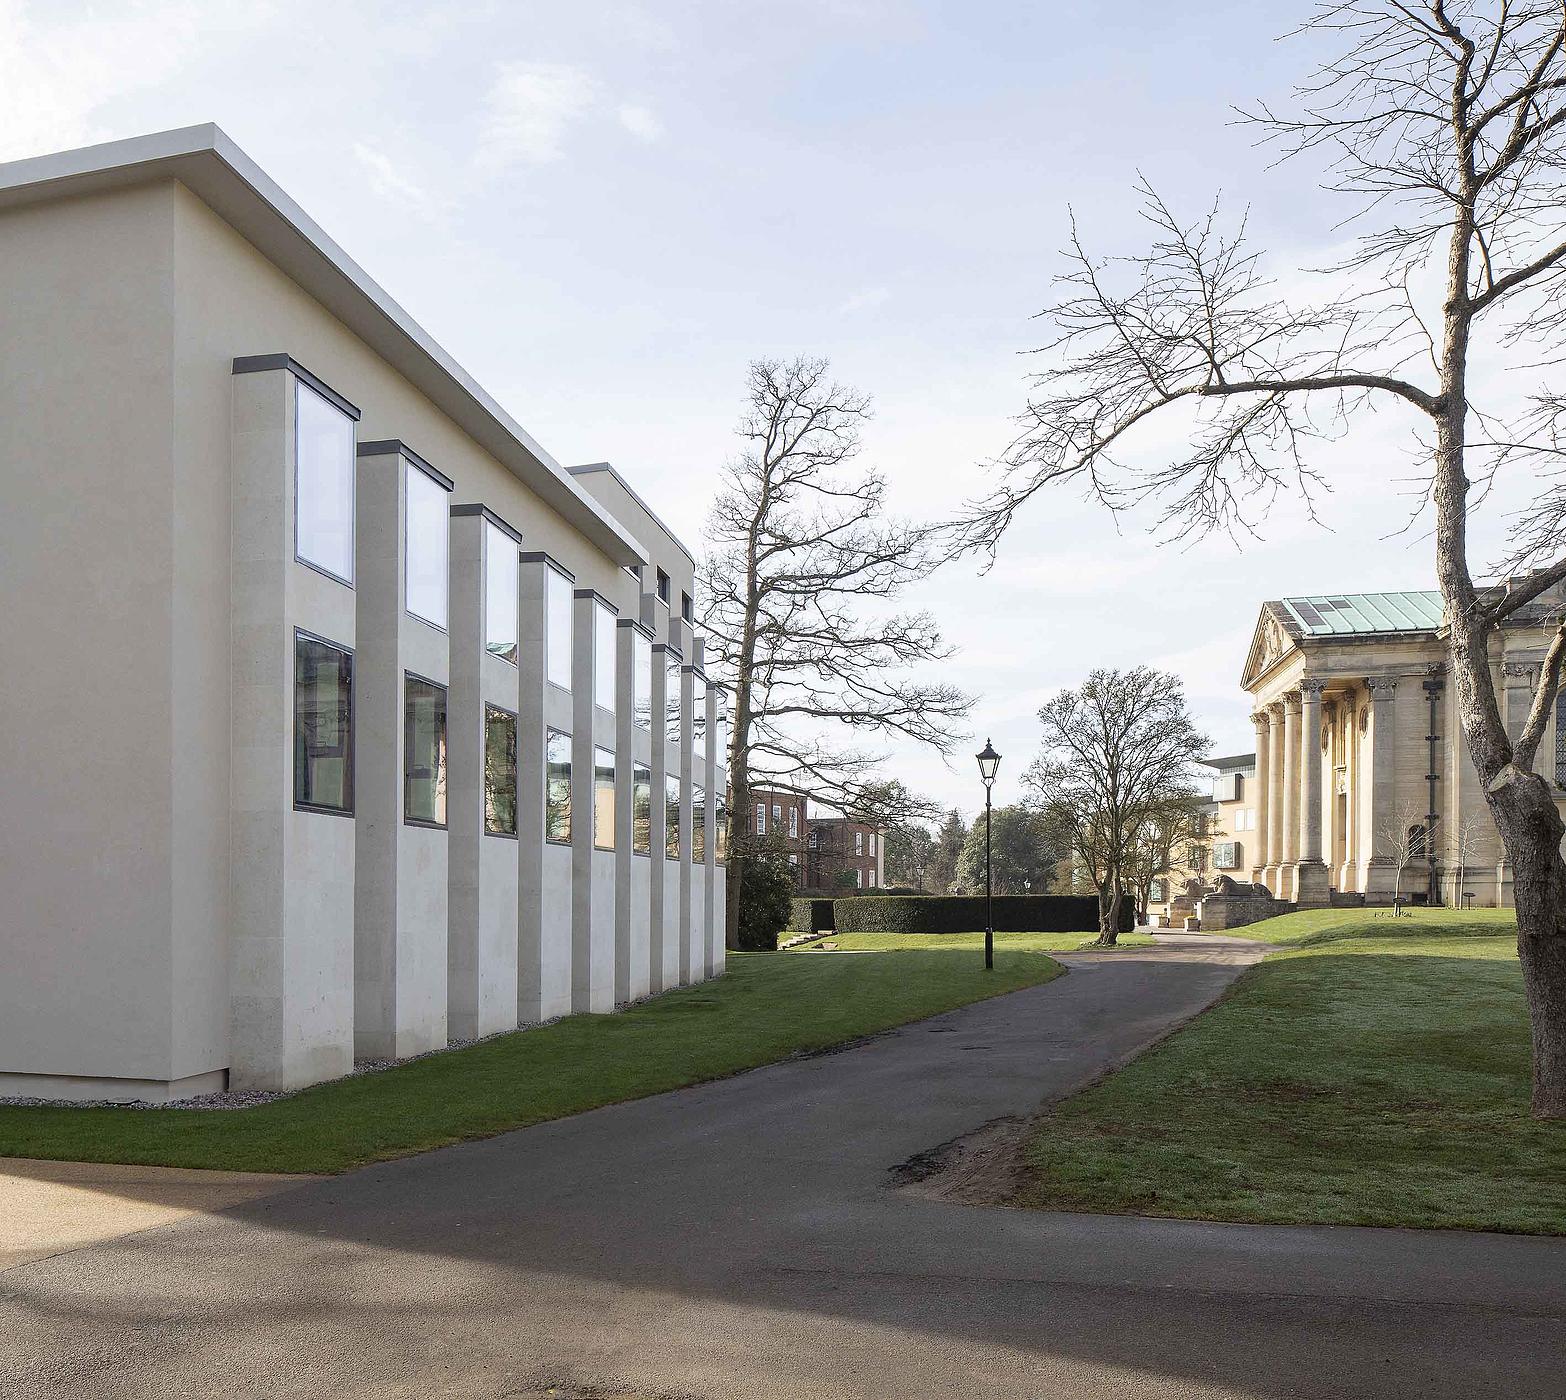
301, 634
301, 385
407, 776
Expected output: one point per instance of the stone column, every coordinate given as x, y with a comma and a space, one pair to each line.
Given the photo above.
1289, 854
1274, 876
1346, 873
1262, 853
1380, 874
1310, 880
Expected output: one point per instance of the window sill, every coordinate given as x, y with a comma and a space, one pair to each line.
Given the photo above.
324, 811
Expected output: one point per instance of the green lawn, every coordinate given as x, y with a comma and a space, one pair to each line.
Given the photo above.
1374, 1071
949, 942
766, 1008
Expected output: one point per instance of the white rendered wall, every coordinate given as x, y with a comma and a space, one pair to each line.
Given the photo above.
633, 877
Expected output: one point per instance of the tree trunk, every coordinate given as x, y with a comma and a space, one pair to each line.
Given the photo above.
1109, 917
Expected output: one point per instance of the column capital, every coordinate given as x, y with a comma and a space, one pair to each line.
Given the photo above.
1261, 720
1381, 687
1291, 702
1311, 686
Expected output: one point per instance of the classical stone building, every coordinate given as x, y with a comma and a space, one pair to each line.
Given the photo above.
1362, 771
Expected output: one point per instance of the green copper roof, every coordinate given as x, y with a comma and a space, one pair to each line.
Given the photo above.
1343, 614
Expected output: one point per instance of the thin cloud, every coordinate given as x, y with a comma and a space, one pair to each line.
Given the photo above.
531, 108
864, 301
641, 123
392, 182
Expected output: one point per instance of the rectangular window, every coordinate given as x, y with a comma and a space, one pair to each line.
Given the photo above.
671, 700
500, 771
859, 843
603, 657
557, 787
641, 809
323, 725
323, 484
699, 715
698, 823
761, 819
721, 738
557, 642
425, 550
872, 843
603, 799
859, 878
663, 585
720, 840
793, 823
641, 678
671, 817
687, 608
1560, 740
500, 594
423, 752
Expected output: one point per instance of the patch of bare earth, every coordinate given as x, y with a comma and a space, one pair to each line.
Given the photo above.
981, 1168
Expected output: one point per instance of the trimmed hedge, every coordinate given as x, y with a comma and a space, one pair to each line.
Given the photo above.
810, 916
963, 913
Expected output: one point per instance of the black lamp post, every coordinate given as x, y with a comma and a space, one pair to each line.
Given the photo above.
989, 762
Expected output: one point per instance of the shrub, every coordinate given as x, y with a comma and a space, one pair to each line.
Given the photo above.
809, 915
958, 913
766, 891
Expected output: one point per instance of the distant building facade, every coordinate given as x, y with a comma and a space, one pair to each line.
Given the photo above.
1359, 747
827, 853
1224, 838
780, 813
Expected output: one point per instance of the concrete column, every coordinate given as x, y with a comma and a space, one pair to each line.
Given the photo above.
717, 875
686, 780
481, 899
633, 876
292, 870
592, 871
1379, 872
1262, 855
661, 941
1289, 855
1311, 882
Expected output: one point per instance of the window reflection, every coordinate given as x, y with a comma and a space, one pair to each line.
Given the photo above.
323, 725
424, 752
323, 483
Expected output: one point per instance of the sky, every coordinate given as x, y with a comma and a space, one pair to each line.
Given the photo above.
605, 210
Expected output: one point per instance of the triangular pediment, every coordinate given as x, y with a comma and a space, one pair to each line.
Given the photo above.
1270, 642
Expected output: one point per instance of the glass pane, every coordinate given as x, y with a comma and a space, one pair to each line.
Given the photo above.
558, 643
500, 771
721, 834
424, 752
603, 657
671, 701
641, 809
698, 717
323, 725
671, 829
429, 536
698, 823
500, 594
603, 799
641, 650
323, 483
557, 792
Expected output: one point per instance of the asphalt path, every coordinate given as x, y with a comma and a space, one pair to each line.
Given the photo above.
742, 1239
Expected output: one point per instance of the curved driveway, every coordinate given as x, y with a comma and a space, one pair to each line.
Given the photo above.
739, 1239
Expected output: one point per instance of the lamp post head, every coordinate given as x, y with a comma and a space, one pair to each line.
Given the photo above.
989, 762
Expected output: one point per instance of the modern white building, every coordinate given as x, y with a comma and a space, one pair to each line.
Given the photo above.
342, 720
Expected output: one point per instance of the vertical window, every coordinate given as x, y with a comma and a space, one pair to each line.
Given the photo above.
641, 651
663, 585
425, 550
687, 608
557, 787
777, 815
500, 771
1560, 740
671, 817
721, 738
323, 725
698, 823
859, 878
671, 700
761, 819
423, 752
793, 823
720, 839
699, 715
323, 484
859, 843
500, 594
603, 657
641, 809
872, 843
603, 799
557, 642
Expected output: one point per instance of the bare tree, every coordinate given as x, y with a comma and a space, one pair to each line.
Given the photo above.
1468, 840
1116, 751
802, 569
1445, 124
1172, 823
1405, 839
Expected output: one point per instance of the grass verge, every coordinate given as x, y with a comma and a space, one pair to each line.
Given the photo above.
949, 942
1375, 1072
765, 1008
